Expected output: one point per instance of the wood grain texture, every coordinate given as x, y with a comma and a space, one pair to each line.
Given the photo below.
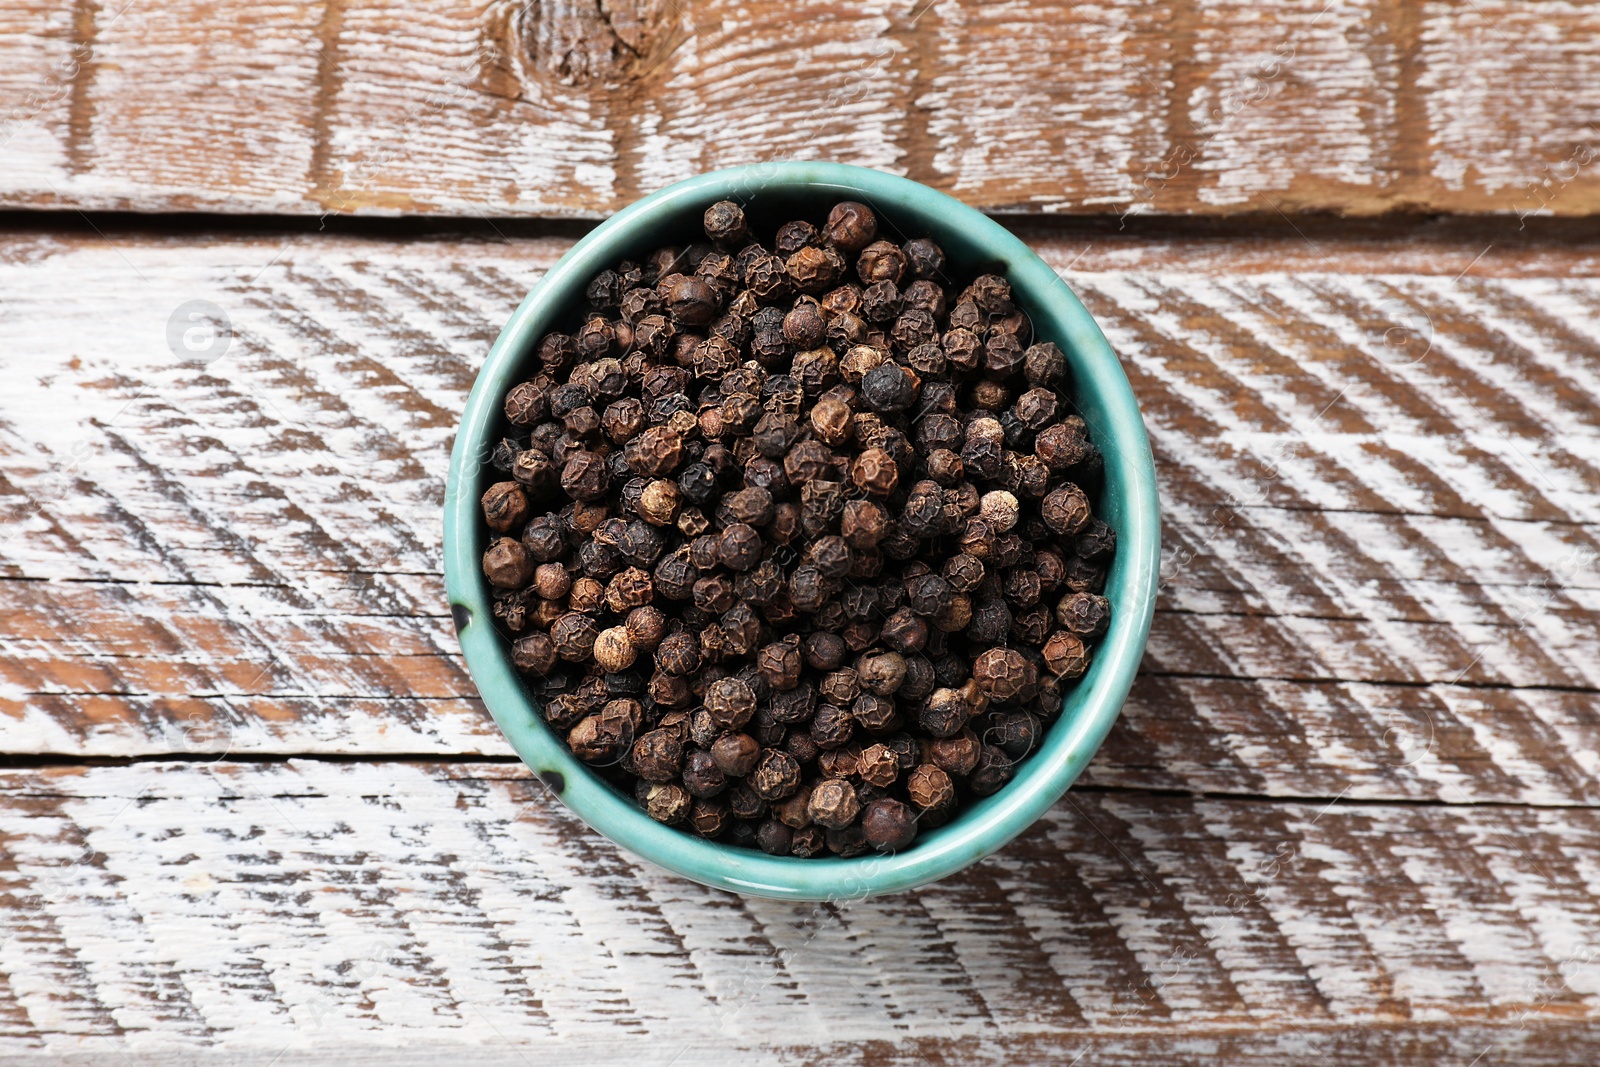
289, 909
560, 108
1379, 582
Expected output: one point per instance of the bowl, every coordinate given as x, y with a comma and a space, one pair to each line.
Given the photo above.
973, 244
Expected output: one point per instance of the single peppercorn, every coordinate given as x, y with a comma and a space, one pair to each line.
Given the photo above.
888, 387
724, 223
889, 824
877, 765
534, 654
1001, 673
731, 703
930, 788
776, 775
507, 564
1084, 614
505, 506
1066, 510
924, 258
833, 804
612, 649
658, 756
735, 754
851, 226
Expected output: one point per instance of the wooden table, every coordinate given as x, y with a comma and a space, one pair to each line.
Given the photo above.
252, 809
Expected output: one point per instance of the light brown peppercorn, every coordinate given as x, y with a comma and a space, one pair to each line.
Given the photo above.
1066, 510
813, 270
999, 510
882, 672
667, 803
507, 564
735, 754
881, 261
587, 596
628, 589
646, 626
592, 742
878, 766
832, 420
505, 506
874, 471
930, 788
613, 651
659, 502
858, 361
1002, 673
551, 581
1065, 655
834, 804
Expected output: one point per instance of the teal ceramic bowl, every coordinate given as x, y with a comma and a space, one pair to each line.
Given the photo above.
973, 244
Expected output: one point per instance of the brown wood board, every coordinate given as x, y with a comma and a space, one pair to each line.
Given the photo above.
573, 110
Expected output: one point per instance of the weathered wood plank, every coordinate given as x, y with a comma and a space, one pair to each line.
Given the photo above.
292, 908
567, 109
1380, 576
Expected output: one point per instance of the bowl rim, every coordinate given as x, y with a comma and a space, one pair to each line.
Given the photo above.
1090, 708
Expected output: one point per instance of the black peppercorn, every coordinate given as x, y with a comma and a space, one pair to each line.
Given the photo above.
507, 564
851, 226
725, 224
776, 775
889, 825
833, 804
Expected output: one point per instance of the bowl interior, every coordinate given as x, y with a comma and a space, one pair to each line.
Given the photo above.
973, 244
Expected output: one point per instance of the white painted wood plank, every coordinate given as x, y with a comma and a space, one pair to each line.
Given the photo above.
309, 908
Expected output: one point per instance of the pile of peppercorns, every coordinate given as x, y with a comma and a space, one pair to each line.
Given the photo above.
795, 543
